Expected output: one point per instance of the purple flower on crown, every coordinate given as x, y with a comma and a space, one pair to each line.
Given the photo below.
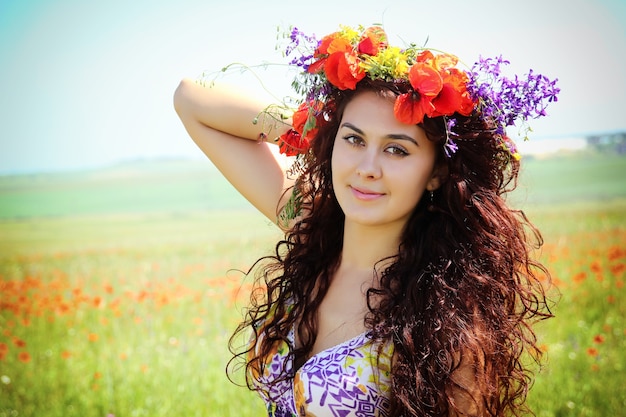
296, 37
507, 100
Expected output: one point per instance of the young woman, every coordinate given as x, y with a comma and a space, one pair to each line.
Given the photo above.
404, 285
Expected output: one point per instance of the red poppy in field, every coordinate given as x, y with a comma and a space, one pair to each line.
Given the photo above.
595, 267
618, 269
24, 357
63, 308
142, 296
579, 277
108, 288
616, 252
97, 301
598, 339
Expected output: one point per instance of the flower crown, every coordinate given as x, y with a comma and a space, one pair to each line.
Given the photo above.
438, 87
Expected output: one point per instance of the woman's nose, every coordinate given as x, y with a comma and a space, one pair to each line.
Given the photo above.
369, 164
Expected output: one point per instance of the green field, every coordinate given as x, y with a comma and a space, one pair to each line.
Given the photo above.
120, 287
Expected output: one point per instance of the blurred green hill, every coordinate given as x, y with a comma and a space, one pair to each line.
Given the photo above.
135, 187
172, 186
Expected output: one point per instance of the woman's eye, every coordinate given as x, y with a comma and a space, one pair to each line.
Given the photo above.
353, 140
396, 150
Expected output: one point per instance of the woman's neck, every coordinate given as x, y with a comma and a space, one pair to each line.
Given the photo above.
364, 246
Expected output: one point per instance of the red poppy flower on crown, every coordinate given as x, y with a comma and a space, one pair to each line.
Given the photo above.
338, 56
305, 121
340, 60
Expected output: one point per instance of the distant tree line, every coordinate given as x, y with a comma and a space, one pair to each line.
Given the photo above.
614, 142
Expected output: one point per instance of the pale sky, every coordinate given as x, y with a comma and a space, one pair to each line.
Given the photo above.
88, 84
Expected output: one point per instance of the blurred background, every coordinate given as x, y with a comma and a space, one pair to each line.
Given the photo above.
88, 84
123, 251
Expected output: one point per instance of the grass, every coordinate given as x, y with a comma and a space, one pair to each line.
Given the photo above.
125, 315
585, 343
119, 289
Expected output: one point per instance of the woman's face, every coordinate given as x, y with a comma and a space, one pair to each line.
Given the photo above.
380, 166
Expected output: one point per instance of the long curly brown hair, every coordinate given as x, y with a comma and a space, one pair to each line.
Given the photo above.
463, 287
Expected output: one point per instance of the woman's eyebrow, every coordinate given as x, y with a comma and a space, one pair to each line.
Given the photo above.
395, 136
400, 136
353, 127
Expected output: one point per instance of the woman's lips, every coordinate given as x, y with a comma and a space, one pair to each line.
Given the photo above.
365, 194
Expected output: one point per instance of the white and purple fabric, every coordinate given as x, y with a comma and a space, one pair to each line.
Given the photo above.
350, 379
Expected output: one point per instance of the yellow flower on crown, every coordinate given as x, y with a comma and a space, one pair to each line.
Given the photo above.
350, 34
389, 64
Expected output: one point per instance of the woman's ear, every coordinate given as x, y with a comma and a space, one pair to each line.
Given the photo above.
439, 176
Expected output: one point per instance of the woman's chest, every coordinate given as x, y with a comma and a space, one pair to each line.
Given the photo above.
348, 379
341, 315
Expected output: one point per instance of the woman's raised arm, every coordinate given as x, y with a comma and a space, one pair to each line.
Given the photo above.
220, 120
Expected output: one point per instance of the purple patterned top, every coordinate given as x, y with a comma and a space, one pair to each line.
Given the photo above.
346, 380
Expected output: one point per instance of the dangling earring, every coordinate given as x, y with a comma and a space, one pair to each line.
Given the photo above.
431, 206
